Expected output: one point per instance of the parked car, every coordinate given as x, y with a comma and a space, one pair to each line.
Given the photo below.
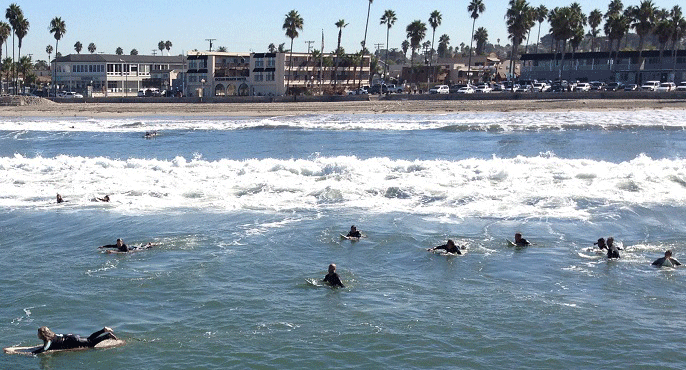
650, 85
378, 89
631, 87
395, 89
498, 87
465, 90
597, 85
439, 89
454, 88
682, 86
483, 88
583, 86
614, 86
666, 87
360, 91
541, 87
70, 95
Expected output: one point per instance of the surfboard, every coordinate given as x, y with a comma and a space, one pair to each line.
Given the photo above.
107, 343
350, 238
136, 249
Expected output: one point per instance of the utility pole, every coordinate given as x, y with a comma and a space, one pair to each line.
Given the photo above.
309, 46
154, 52
378, 46
210, 40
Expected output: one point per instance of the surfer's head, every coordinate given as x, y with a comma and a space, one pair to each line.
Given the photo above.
518, 236
610, 240
332, 267
668, 253
44, 333
600, 243
120, 242
451, 243
353, 228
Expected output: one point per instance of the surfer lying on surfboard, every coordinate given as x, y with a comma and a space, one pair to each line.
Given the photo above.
449, 247
332, 277
353, 233
121, 247
667, 260
52, 341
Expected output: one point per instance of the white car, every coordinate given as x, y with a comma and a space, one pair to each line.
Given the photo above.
439, 89
583, 86
666, 87
359, 91
70, 95
650, 86
541, 87
465, 90
682, 86
484, 89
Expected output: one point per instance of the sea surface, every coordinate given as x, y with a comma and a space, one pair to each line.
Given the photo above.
248, 214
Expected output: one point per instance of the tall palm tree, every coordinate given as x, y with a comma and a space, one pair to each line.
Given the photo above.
168, 46
92, 47
161, 46
416, 31
340, 25
481, 37
594, 19
678, 30
119, 51
49, 50
541, 16
663, 31
5, 31
58, 28
364, 41
643, 23
21, 31
292, 24
475, 7
7, 66
13, 13
519, 21
443, 43
435, 20
405, 46
78, 46
388, 18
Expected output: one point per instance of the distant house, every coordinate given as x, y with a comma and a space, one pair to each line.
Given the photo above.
604, 66
457, 70
111, 74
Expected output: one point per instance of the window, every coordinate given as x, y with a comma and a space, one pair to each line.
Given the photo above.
270, 76
259, 63
271, 62
259, 77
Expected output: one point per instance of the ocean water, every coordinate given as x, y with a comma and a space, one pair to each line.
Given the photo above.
248, 213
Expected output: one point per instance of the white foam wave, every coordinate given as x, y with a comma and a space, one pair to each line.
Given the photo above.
499, 121
543, 186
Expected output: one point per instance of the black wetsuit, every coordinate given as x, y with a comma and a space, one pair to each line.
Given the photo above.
453, 249
70, 341
661, 261
354, 234
522, 242
123, 248
333, 280
612, 252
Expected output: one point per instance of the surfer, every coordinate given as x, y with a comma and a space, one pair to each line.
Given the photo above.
121, 247
667, 260
601, 243
332, 277
354, 233
519, 241
612, 251
150, 134
52, 341
449, 247
106, 198
59, 198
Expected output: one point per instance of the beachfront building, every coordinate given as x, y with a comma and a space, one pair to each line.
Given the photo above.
456, 70
626, 67
218, 73
111, 74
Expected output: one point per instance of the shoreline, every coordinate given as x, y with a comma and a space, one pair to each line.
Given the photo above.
51, 109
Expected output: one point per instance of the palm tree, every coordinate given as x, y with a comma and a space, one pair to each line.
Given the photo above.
388, 18
435, 20
134, 52
21, 31
24, 66
416, 31
481, 37
292, 24
272, 48
519, 21
78, 47
594, 19
364, 41
168, 46
161, 46
405, 46
443, 43
340, 24
91, 47
119, 51
221, 49
643, 23
7, 67
48, 49
678, 30
58, 28
663, 31
5, 31
475, 7
12, 14
541, 16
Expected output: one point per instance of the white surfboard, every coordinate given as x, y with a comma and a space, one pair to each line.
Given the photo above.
107, 343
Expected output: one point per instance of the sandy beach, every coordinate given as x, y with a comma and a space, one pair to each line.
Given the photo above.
51, 109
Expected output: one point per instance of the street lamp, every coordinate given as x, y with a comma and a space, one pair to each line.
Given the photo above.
202, 92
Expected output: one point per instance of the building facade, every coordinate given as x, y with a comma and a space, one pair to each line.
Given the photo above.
111, 74
626, 66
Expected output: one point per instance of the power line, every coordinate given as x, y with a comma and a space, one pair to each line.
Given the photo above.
210, 40
309, 46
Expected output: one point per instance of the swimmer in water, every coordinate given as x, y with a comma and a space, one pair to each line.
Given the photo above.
332, 277
52, 341
354, 233
121, 247
601, 244
449, 247
612, 251
519, 241
59, 198
106, 198
667, 260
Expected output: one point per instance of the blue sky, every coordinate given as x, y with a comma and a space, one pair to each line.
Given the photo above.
251, 25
